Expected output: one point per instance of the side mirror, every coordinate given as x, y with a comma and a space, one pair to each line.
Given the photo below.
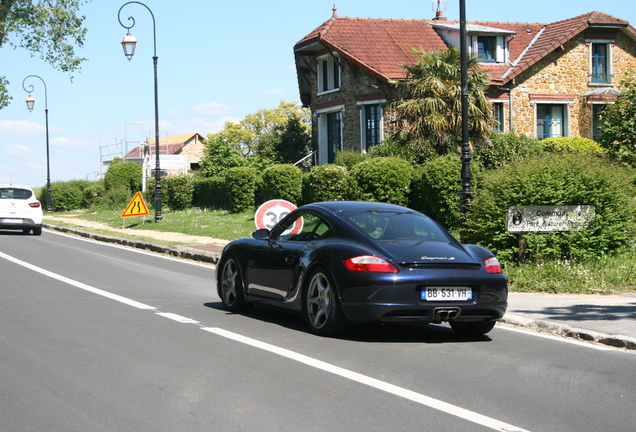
261, 234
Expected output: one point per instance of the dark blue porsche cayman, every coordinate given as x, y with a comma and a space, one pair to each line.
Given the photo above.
347, 262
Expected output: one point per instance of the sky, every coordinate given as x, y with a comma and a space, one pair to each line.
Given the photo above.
218, 61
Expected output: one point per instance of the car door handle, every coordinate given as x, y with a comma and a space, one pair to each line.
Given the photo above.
290, 259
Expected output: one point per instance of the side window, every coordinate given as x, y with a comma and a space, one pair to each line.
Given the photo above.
328, 74
303, 226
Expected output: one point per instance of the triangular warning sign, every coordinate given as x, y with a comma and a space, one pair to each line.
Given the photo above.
136, 207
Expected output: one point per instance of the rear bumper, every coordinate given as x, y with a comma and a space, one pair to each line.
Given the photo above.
390, 300
20, 224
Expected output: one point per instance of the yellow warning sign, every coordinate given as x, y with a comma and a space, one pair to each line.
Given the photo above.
136, 207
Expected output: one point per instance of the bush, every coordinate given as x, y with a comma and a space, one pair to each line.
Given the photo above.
65, 196
349, 159
504, 148
126, 174
402, 147
435, 187
327, 183
283, 182
241, 188
210, 193
383, 179
553, 180
116, 198
177, 191
94, 193
572, 145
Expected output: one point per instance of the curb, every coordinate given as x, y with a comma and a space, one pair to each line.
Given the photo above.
176, 251
567, 331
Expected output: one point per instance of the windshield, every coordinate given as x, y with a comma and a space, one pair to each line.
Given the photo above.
15, 193
397, 226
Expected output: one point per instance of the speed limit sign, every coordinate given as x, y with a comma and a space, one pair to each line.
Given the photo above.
272, 212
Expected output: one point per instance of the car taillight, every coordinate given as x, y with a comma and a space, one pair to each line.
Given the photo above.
369, 263
34, 205
492, 265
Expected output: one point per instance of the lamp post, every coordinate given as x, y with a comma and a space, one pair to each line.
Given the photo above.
466, 193
30, 101
128, 45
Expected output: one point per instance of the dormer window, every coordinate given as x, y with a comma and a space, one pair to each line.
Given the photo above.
328, 73
491, 49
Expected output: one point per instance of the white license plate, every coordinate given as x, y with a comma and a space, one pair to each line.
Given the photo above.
11, 220
446, 293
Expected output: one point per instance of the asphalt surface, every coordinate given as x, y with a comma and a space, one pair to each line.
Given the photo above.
602, 319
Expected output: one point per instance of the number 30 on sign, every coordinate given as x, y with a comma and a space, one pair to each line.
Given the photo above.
271, 212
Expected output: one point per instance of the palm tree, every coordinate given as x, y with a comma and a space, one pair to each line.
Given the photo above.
431, 107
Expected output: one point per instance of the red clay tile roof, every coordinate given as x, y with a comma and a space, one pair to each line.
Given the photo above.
382, 45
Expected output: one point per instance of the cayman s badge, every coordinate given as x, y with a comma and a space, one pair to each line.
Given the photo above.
438, 258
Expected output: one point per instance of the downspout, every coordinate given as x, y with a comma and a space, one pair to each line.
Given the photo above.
511, 110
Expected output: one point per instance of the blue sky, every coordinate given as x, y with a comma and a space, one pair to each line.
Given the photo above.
218, 61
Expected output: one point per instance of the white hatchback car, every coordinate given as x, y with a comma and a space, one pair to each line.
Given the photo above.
20, 209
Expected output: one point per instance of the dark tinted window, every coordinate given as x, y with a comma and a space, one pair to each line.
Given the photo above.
15, 193
304, 226
396, 226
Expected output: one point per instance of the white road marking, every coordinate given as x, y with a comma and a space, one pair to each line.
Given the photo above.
77, 284
554, 337
177, 318
371, 382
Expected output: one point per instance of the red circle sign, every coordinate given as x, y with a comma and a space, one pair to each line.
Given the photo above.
272, 212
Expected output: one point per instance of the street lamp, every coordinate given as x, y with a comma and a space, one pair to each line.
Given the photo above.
128, 45
30, 101
466, 193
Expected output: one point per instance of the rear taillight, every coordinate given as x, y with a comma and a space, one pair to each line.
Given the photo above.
369, 263
492, 265
35, 204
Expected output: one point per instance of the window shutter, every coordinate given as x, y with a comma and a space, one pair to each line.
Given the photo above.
501, 49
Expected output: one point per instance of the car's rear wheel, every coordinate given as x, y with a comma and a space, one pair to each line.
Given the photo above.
231, 287
472, 328
321, 307
26, 230
37, 231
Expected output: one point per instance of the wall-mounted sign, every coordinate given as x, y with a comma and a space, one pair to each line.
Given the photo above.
549, 218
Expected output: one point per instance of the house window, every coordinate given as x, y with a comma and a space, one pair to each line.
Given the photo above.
490, 49
328, 74
551, 120
597, 109
498, 114
372, 125
600, 66
334, 135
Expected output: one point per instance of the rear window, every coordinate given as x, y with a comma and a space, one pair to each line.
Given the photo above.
15, 193
396, 226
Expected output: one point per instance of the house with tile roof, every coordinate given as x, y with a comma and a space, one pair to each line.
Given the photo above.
546, 79
189, 147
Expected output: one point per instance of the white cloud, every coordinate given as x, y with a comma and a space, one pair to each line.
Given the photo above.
18, 149
20, 127
212, 108
274, 90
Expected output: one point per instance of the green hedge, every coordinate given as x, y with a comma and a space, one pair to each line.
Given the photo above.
210, 193
123, 174
283, 181
383, 179
241, 188
572, 145
327, 183
552, 180
65, 196
177, 191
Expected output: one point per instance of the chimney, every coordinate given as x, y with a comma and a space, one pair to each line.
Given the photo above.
438, 6
439, 16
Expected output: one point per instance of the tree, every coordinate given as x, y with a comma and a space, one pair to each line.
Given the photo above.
431, 107
618, 124
265, 132
219, 156
50, 28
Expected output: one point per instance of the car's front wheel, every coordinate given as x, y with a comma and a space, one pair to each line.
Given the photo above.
321, 307
231, 287
472, 328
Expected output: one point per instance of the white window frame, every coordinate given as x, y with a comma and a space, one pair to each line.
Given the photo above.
323, 132
501, 48
566, 116
333, 64
363, 122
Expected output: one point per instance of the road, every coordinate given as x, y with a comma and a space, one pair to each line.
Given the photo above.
97, 337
